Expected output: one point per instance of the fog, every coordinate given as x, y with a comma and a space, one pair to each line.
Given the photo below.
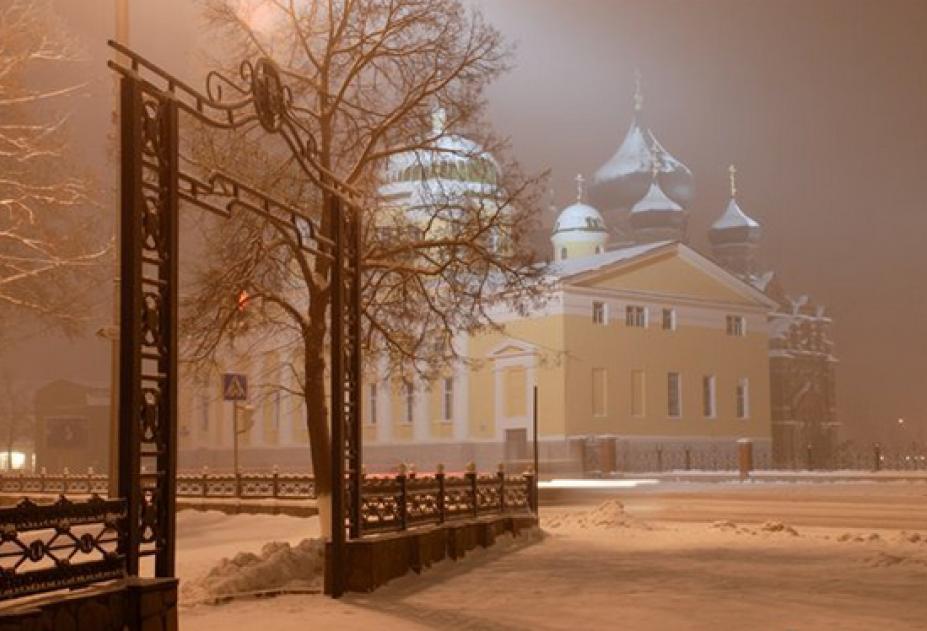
820, 104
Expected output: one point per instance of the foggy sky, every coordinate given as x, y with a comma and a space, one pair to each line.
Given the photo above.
820, 103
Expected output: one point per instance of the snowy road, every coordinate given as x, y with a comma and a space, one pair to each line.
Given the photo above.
700, 557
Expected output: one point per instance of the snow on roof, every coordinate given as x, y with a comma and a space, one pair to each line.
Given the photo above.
579, 216
655, 199
762, 281
635, 155
572, 267
734, 217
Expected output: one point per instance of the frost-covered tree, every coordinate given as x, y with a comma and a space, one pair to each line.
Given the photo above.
368, 77
49, 242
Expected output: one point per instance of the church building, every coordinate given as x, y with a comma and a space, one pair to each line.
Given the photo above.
646, 349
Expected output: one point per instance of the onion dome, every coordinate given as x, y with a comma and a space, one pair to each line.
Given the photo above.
451, 165
656, 217
734, 226
579, 229
625, 177
735, 235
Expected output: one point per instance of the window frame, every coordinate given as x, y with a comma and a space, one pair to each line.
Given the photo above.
709, 397
671, 312
742, 399
669, 398
409, 416
736, 325
599, 312
447, 400
635, 316
372, 396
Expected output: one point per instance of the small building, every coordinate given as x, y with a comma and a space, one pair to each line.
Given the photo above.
72, 427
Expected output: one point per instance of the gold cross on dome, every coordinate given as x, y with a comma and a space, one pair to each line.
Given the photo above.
732, 170
638, 92
654, 161
580, 180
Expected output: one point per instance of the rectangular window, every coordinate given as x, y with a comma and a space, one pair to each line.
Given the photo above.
736, 326
598, 312
743, 398
372, 403
635, 316
599, 385
669, 319
708, 396
410, 402
637, 392
448, 398
673, 395
204, 413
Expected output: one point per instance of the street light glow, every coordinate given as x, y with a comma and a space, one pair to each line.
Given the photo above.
594, 484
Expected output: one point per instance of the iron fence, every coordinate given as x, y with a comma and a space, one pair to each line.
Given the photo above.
203, 483
45, 547
388, 503
408, 500
659, 458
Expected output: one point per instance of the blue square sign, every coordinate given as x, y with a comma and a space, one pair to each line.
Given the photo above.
234, 386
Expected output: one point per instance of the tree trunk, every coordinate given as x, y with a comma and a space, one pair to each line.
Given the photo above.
319, 436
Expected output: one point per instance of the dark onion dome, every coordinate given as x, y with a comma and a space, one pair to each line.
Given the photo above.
735, 236
625, 177
734, 226
656, 217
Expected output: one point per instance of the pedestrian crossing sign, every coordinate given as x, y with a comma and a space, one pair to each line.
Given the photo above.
234, 386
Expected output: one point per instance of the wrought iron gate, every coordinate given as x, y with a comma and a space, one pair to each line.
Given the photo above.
153, 185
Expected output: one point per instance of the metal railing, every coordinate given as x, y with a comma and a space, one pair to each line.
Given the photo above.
61, 545
203, 483
409, 500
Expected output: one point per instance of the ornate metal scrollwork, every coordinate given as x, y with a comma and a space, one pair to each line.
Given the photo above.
45, 547
270, 97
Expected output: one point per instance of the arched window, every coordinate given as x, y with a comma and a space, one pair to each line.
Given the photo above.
563, 253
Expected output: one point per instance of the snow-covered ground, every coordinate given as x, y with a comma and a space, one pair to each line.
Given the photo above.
714, 557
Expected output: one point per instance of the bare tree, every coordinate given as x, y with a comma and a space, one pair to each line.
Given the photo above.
48, 238
369, 76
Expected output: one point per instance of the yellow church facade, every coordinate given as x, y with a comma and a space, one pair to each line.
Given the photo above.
650, 346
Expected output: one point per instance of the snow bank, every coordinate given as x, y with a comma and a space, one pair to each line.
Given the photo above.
606, 516
767, 527
279, 567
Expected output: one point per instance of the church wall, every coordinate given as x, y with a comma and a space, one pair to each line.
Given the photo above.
693, 350
672, 275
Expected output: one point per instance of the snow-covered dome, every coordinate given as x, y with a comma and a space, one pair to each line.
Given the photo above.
735, 236
655, 201
734, 225
451, 160
579, 229
623, 179
579, 216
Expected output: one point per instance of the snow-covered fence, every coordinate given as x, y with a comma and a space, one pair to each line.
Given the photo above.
407, 500
64, 483
273, 485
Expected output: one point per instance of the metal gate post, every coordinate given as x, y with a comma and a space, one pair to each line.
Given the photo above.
337, 398
148, 325
130, 362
